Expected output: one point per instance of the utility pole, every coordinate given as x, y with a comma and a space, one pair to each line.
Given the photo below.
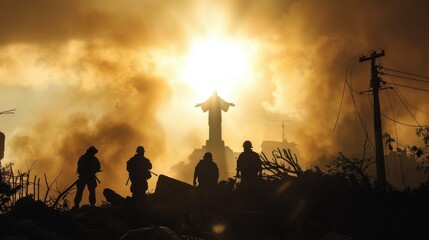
376, 84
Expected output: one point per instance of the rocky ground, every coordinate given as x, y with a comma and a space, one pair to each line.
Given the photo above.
312, 207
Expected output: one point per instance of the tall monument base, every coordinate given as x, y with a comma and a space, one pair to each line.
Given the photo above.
223, 156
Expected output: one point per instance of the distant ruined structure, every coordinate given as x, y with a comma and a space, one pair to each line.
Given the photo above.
269, 146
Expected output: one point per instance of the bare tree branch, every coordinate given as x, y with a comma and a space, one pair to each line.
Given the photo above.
282, 164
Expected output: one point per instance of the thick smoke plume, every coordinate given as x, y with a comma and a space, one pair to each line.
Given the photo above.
106, 74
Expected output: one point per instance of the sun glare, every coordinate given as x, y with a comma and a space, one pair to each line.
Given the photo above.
217, 64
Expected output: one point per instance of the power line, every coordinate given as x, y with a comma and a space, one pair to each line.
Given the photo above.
403, 97
412, 74
401, 123
344, 88
409, 78
359, 116
396, 121
418, 109
393, 114
405, 86
405, 102
396, 131
341, 105
410, 112
350, 78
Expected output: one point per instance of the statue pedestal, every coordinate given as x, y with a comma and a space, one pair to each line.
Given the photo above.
223, 156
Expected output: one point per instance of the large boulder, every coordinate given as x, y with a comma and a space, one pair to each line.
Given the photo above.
170, 190
112, 197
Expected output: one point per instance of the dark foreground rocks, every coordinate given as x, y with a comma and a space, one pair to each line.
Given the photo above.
308, 208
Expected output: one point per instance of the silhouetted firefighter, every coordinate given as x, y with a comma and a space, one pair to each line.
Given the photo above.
138, 168
206, 173
249, 166
87, 166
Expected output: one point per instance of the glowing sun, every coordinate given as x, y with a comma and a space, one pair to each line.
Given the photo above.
217, 64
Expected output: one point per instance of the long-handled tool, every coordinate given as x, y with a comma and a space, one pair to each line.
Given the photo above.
68, 190
63, 193
128, 180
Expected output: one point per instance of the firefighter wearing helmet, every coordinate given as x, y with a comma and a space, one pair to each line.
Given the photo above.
138, 168
249, 165
87, 168
206, 173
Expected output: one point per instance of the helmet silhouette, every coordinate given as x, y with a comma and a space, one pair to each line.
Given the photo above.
208, 155
92, 149
140, 149
247, 144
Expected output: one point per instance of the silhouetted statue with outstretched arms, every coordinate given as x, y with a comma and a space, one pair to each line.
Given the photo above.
138, 168
88, 166
249, 166
215, 105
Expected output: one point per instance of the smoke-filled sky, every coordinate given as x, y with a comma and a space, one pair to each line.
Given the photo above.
118, 74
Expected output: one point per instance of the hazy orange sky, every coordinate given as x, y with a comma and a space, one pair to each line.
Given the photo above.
118, 74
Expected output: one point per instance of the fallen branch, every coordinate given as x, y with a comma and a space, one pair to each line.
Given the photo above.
64, 193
